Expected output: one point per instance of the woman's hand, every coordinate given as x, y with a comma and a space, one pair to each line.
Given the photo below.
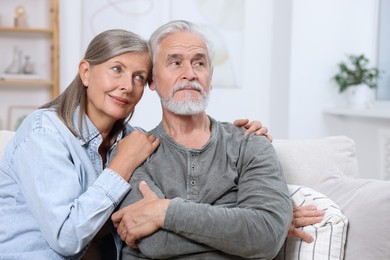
304, 216
132, 151
253, 127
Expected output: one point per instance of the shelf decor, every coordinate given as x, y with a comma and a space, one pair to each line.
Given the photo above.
20, 17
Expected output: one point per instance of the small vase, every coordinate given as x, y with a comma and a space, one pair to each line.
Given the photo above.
360, 96
28, 67
15, 66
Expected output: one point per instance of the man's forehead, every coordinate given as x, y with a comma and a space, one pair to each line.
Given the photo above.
184, 41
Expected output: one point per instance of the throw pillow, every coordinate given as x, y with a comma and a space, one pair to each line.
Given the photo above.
329, 235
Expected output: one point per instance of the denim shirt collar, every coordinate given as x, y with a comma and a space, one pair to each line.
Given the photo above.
89, 130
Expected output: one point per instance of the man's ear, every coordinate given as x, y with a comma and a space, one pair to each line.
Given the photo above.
152, 85
84, 72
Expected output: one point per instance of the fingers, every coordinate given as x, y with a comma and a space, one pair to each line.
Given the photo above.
260, 130
306, 215
305, 221
307, 211
255, 127
146, 191
269, 137
123, 230
240, 122
154, 141
299, 233
117, 217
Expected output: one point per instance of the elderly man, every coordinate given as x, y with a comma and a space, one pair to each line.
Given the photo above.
210, 191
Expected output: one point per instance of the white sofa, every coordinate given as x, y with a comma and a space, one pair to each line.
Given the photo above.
329, 166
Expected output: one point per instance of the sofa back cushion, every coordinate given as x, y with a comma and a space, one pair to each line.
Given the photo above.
366, 203
310, 162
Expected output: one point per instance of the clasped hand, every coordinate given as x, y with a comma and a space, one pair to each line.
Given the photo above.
142, 218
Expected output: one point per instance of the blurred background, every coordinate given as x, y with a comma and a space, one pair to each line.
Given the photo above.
275, 61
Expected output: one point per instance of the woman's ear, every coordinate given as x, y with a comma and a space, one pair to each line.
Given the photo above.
84, 72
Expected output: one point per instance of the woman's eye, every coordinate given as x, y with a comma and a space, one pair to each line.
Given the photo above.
140, 78
117, 69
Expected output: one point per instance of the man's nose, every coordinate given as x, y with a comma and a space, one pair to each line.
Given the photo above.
188, 72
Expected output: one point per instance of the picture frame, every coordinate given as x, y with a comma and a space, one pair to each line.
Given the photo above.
16, 115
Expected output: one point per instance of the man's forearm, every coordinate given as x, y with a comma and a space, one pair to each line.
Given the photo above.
248, 233
164, 244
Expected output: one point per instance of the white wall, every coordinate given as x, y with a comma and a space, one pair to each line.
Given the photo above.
289, 61
290, 58
323, 32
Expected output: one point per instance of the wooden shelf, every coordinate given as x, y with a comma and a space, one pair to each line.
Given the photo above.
52, 35
25, 30
22, 82
378, 113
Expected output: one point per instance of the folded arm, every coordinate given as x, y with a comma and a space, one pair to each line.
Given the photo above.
255, 226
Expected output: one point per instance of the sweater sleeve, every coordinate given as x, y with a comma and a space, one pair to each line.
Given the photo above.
257, 226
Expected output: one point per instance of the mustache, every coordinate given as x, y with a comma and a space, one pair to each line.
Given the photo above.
195, 85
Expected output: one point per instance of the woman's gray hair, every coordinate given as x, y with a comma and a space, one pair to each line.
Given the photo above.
174, 27
105, 46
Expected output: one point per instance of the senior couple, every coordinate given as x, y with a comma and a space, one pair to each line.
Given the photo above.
207, 190
217, 192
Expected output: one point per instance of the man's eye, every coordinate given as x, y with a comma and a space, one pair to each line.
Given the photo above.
199, 64
176, 63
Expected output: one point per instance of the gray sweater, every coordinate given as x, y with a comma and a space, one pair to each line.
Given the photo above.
229, 199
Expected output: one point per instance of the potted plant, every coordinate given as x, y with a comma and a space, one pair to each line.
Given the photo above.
355, 77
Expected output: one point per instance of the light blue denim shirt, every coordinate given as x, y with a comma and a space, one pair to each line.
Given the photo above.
55, 192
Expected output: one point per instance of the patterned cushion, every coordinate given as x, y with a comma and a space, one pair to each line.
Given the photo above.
329, 235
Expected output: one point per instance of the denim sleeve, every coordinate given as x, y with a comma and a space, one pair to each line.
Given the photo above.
257, 226
67, 213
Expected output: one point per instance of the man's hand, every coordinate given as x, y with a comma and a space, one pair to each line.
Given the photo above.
253, 127
141, 218
304, 216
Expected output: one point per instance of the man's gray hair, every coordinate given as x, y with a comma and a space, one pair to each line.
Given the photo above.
174, 27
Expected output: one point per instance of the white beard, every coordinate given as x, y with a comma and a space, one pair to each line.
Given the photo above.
188, 106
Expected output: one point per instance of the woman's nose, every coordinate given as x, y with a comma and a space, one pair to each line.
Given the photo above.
126, 84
